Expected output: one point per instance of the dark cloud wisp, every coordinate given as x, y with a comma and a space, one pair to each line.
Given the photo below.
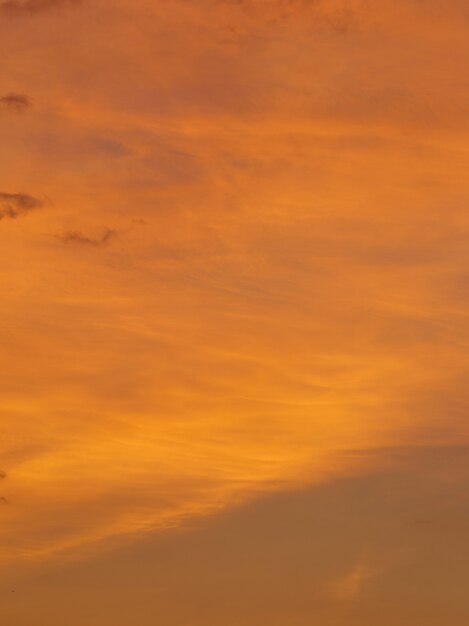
13, 205
3, 475
77, 237
16, 102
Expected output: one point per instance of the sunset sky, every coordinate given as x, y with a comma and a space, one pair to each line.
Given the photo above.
234, 288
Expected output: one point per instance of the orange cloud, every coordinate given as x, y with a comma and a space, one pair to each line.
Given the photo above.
287, 290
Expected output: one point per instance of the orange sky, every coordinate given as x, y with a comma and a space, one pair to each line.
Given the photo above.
233, 264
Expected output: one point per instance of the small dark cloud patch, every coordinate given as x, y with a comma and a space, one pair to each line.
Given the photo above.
16, 102
18, 8
13, 205
3, 475
79, 238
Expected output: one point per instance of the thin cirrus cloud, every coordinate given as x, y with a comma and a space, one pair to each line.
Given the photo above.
295, 301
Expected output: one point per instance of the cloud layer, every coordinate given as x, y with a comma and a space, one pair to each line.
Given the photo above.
285, 302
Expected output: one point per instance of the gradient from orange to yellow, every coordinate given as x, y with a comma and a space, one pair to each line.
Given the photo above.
234, 287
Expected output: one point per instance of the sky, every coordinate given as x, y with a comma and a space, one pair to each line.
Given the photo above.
234, 245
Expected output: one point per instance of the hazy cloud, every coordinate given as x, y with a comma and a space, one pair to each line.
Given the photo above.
16, 102
349, 586
13, 205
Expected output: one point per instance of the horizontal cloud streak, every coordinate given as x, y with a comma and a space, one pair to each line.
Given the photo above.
77, 237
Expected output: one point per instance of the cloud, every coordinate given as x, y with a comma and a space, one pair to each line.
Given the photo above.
16, 102
29, 7
3, 475
77, 237
13, 205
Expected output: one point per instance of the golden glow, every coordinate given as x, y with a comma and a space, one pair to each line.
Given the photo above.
246, 272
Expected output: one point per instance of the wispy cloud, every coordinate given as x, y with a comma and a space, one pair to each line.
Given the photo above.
16, 102
78, 237
297, 288
13, 205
